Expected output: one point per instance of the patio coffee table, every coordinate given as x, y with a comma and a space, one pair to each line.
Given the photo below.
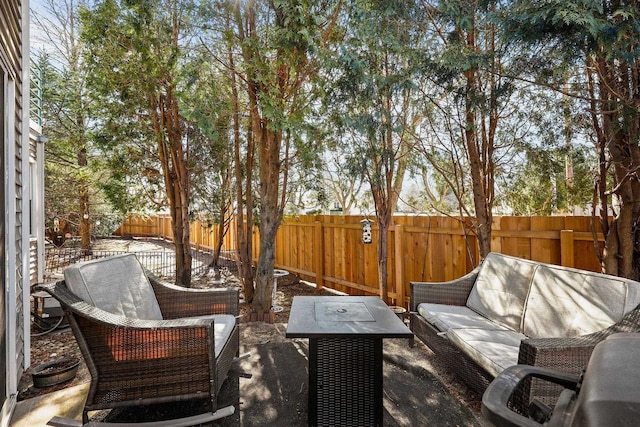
345, 355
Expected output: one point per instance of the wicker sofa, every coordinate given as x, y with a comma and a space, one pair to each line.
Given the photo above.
146, 341
512, 311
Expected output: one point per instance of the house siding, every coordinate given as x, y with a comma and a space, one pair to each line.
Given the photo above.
13, 56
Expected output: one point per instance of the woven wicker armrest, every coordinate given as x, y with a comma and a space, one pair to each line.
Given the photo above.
572, 354
176, 302
454, 292
563, 354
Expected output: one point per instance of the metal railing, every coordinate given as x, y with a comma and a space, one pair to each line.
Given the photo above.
160, 263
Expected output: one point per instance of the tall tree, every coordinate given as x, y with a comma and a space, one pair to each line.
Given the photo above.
67, 116
222, 46
279, 43
474, 119
604, 37
373, 98
207, 106
135, 55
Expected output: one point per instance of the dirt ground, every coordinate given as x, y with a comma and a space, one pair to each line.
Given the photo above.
417, 363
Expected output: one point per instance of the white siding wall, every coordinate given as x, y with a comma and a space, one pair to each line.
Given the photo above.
14, 56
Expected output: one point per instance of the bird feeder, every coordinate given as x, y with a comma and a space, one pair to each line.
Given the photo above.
366, 231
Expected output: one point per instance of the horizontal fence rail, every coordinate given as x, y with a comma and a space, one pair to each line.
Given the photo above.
328, 249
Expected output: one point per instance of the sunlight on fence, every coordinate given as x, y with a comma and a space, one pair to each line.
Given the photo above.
328, 249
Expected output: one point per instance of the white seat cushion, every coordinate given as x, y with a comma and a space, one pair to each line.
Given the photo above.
491, 349
501, 289
115, 284
222, 328
565, 302
445, 317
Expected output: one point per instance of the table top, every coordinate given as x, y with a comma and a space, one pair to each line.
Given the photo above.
343, 316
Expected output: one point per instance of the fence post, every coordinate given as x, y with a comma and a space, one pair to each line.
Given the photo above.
567, 258
398, 257
318, 254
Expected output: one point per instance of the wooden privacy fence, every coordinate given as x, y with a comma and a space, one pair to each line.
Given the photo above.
329, 251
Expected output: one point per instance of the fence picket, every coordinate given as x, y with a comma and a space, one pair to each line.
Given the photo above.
328, 249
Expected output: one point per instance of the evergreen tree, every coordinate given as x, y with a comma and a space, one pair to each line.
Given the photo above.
604, 38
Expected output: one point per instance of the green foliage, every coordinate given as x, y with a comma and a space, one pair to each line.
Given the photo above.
74, 168
580, 26
604, 39
373, 85
542, 187
135, 61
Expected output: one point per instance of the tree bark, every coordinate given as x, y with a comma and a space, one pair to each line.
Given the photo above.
168, 128
617, 130
85, 221
271, 211
479, 182
244, 197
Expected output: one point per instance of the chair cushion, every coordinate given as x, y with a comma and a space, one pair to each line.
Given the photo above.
565, 302
491, 349
222, 329
115, 284
445, 317
501, 289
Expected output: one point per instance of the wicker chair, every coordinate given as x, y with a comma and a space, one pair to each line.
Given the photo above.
146, 341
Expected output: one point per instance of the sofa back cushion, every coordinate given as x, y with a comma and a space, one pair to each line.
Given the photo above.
501, 289
115, 284
565, 302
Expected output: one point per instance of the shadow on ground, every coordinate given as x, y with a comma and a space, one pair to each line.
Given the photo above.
276, 393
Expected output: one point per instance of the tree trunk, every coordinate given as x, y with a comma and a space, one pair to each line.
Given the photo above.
85, 222
225, 217
383, 267
181, 236
168, 129
218, 248
482, 210
270, 211
266, 263
619, 134
244, 222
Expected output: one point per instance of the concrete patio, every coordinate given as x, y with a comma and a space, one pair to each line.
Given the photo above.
415, 393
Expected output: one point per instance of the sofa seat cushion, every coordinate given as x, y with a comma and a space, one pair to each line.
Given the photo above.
565, 302
445, 317
493, 350
222, 329
115, 284
501, 289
